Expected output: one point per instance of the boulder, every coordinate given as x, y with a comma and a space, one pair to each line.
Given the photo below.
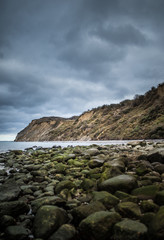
106, 198
65, 232
156, 155
93, 163
47, 220
49, 200
157, 225
13, 208
87, 184
17, 232
146, 192
122, 182
84, 211
9, 191
64, 184
129, 210
148, 206
130, 230
98, 225
160, 198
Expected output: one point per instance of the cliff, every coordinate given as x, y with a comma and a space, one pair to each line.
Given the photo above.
140, 118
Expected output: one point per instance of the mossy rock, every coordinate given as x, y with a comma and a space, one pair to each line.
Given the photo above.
47, 220
106, 198
147, 218
87, 184
146, 192
129, 210
64, 184
160, 198
125, 197
122, 182
13, 208
85, 210
98, 225
148, 206
157, 225
17, 232
130, 230
65, 232
94, 163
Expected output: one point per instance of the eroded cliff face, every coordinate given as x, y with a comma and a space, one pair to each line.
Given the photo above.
141, 118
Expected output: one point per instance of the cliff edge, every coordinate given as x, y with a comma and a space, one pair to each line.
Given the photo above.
140, 118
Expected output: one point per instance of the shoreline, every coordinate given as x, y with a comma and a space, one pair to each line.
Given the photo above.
93, 191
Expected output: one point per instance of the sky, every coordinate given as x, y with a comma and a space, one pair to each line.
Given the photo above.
60, 57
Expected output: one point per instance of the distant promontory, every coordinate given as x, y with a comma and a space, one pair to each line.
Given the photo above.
140, 118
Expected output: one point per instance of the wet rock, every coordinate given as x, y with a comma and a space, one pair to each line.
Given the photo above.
87, 184
125, 197
9, 191
47, 220
98, 225
146, 192
93, 163
64, 184
148, 206
121, 182
157, 225
65, 232
49, 200
160, 198
17, 232
6, 221
156, 155
13, 208
84, 211
129, 210
92, 152
130, 230
106, 198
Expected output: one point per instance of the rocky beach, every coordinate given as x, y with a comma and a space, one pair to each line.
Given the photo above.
83, 192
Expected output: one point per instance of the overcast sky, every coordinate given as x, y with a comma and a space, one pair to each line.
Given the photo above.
63, 57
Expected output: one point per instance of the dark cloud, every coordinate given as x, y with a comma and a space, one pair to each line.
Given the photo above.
61, 57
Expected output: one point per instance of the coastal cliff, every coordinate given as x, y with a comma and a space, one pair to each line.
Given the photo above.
140, 118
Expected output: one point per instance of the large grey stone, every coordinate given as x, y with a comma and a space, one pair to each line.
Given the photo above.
47, 220
122, 182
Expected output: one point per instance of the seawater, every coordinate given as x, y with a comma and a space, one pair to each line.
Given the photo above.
11, 145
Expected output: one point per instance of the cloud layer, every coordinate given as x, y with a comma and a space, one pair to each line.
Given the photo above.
61, 57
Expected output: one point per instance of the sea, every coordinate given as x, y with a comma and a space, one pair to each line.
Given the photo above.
11, 145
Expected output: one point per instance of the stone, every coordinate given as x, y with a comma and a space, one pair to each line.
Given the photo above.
160, 198
47, 220
157, 225
146, 192
98, 225
17, 232
116, 163
122, 182
106, 198
13, 208
9, 191
84, 211
49, 200
130, 230
6, 221
87, 184
129, 210
156, 155
93, 163
65, 232
92, 152
64, 184
148, 206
